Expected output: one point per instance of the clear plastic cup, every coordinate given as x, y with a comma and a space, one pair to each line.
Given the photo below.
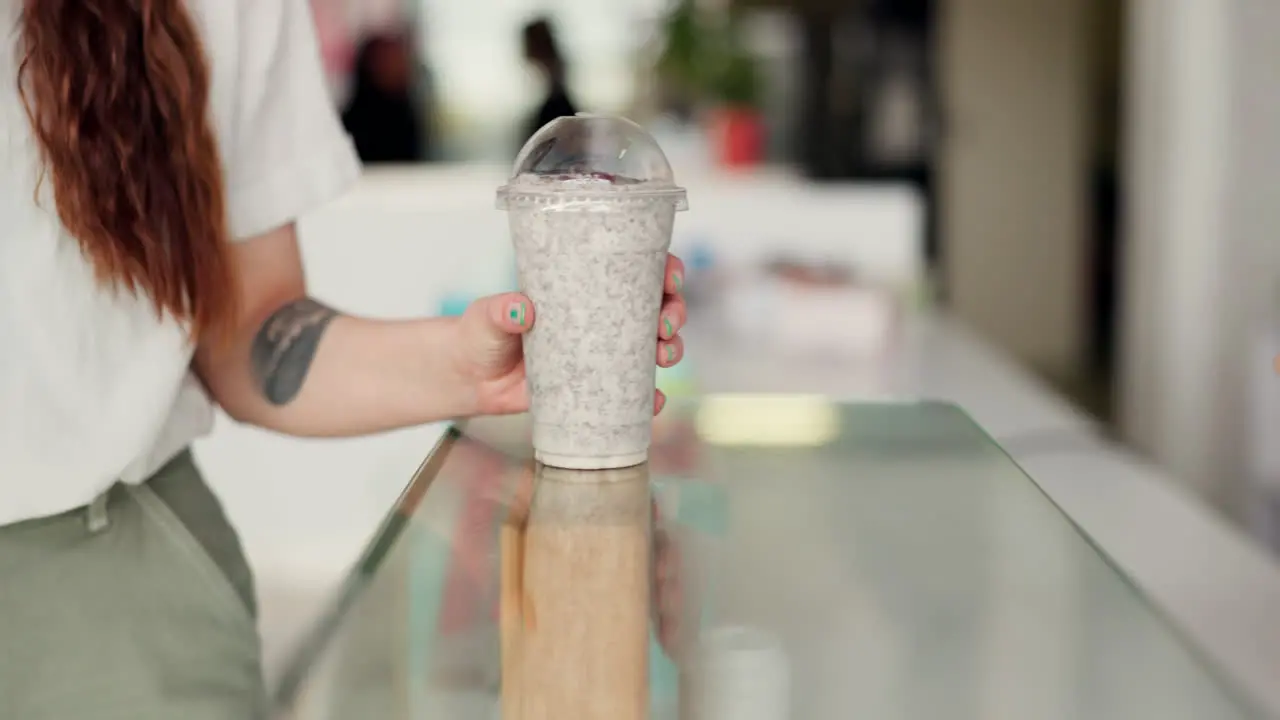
591, 203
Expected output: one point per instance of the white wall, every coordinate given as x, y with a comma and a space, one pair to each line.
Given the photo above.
1255, 224
1204, 168
1017, 82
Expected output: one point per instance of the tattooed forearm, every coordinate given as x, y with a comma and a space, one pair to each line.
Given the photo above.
285, 346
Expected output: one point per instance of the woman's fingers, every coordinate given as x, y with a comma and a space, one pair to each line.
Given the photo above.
672, 319
675, 275
670, 351
511, 313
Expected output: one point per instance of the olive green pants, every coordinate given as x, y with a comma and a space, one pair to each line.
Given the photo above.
138, 607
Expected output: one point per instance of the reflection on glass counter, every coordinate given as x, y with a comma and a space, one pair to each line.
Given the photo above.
779, 557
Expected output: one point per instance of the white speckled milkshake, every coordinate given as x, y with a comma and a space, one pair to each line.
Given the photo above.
592, 203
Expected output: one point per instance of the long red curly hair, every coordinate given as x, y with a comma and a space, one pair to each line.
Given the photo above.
117, 92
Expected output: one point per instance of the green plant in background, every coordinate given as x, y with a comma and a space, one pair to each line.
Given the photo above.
735, 79
683, 36
703, 60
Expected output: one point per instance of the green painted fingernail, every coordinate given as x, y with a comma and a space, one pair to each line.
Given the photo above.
518, 313
667, 323
678, 280
671, 353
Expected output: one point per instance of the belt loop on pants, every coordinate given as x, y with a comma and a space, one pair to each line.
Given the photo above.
96, 517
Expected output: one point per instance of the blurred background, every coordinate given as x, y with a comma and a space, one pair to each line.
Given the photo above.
1056, 213
1088, 177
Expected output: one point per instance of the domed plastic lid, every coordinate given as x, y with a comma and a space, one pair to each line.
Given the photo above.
591, 156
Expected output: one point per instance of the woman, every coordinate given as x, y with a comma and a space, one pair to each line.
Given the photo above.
154, 157
543, 52
381, 117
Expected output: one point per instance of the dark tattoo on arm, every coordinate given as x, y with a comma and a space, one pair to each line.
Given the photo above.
285, 346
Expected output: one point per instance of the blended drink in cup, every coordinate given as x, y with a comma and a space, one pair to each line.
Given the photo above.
591, 204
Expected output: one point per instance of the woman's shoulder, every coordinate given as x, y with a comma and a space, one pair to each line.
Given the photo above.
240, 26
258, 49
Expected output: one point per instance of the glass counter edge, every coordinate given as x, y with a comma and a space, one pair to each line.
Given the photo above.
307, 654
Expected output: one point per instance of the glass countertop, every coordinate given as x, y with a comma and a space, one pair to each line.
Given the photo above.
877, 561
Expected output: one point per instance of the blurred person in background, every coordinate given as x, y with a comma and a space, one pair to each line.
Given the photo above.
155, 156
542, 51
382, 117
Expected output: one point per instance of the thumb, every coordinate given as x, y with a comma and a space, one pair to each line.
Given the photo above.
509, 313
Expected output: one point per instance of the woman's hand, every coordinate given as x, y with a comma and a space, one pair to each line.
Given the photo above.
491, 356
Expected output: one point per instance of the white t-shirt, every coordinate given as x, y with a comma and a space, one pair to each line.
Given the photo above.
94, 389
